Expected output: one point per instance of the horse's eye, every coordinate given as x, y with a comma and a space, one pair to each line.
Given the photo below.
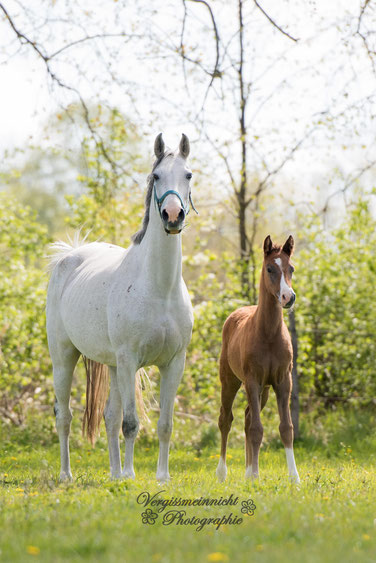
189, 175
155, 176
292, 270
269, 269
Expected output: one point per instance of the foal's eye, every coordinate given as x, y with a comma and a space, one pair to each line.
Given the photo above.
189, 175
155, 176
269, 269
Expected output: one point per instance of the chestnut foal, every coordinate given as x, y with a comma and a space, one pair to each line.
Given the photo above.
257, 351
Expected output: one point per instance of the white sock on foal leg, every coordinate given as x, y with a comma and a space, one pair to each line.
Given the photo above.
221, 470
293, 472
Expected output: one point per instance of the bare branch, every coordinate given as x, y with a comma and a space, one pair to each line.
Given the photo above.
274, 23
347, 185
46, 59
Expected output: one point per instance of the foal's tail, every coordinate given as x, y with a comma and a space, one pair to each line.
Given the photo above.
97, 383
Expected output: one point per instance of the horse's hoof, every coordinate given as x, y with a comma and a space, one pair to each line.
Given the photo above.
116, 476
221, 471
128, 474
65, 477
294, 479
163, 478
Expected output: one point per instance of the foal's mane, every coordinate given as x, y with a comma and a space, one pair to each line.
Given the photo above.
275, 248
137, 237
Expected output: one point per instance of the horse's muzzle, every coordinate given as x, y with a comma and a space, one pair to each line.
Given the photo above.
173, 227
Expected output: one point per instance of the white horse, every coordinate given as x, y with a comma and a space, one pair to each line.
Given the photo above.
127, 309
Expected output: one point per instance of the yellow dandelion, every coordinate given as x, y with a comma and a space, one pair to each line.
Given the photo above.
5, 474
366, 537
196, 458
33, 550
33, 494
20, 490
217, 556
13, 458
259, 547
325, 498
229, 456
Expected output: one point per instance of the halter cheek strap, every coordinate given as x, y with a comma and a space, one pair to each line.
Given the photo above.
160, 200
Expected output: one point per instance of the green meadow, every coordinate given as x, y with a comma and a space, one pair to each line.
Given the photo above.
330, 516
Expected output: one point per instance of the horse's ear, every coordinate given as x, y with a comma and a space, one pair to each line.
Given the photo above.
184, 147
159, 146
268, 245
288, 247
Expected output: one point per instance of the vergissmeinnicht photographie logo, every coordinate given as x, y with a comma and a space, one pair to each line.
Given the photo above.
231, 510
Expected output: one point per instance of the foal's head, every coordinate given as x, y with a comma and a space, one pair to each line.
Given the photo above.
277, 270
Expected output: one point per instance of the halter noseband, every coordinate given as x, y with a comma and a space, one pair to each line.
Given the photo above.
160, 200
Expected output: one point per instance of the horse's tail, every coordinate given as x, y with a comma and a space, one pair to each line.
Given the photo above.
97, 380
60, 249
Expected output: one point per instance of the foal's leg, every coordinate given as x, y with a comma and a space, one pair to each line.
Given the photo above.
112, 418
126, 380
64, 359
247, 423
170, 378
253, 429
286, 429
230, 386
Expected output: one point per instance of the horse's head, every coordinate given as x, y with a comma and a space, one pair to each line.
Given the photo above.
172, 191
278, 270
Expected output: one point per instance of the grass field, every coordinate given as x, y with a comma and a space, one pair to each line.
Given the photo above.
331, 516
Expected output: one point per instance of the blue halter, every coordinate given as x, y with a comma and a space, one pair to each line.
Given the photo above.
160, 200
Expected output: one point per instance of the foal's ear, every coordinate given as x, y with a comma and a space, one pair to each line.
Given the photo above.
268, 245
184, 147
159, 146
288, 247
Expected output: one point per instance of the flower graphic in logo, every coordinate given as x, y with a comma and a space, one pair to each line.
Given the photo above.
248, 507
149, 517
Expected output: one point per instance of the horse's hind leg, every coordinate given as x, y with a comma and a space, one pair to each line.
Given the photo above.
64, 359
230, 386
113, 418
286, 429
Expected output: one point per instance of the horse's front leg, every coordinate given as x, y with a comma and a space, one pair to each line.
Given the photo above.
126, 381
170, 378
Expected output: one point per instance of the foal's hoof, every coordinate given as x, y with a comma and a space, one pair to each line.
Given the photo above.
250, 475
221, 471
65, 477
294, 479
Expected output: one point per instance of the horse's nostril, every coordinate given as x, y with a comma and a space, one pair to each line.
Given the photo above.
164, 215
181, 215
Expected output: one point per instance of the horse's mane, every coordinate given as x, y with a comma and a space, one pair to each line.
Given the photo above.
137, 237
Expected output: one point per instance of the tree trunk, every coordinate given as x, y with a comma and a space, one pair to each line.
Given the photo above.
295, 382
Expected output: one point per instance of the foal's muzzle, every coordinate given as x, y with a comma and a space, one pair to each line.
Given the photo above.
291, 302
173, 227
